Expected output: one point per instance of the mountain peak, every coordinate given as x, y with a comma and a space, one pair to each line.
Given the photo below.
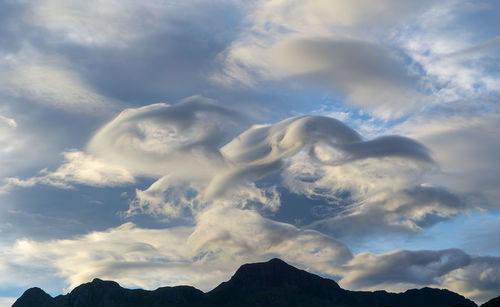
276, 273
33, 297
96, 282
495, 302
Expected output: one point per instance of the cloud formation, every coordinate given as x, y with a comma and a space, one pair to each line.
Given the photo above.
161, 138
55, 87
472, 276
467, 151
203, 255
414, 83
184, 145
78, 168
193, 152
224, 237
304, 43
8, 121
89, 23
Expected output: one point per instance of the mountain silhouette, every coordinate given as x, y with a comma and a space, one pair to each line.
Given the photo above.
492, 303
272, 283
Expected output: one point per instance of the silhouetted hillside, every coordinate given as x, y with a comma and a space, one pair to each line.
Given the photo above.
272, 283
492, 303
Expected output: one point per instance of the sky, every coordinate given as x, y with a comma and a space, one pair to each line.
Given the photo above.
161, 143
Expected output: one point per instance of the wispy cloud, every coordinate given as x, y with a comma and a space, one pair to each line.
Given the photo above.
56, 87
78, 168
8, 121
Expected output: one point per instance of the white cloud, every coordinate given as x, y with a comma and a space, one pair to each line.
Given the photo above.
203, 255
370, 171
8, 121
324, 16
7, 301
55, 87
114, 23
158, 139
478, 280
14, 144
327, 44
372, 196
460, 62
78, 168
390, 58
176, 197
466, 147
378, 183
224, 238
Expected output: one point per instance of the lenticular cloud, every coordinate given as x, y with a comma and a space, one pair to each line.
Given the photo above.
194, 151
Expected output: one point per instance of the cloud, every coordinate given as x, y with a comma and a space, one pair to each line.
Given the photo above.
368, 271
161, 138
479, 280
55, 87
176, 197
179, 145
323, 15
460, 61
389, 59
7, 301
127, 51
97, 23
472, 276
78, 168
14, 143
465, 145
8, 121
263, 149
223, 238
193, 152
366, 73
203, 255
325, 44
397, 212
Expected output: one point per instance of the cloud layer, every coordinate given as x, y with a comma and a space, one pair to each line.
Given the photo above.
331, 120
203, 255
189, 149
224, 237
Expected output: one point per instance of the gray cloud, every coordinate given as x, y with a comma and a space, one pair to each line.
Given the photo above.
472, 276
466, 148
368, 270
408, 210
387, 146
326, 44
137, 52
368, 74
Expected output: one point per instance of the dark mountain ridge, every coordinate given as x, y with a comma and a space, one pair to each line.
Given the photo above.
272, 283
